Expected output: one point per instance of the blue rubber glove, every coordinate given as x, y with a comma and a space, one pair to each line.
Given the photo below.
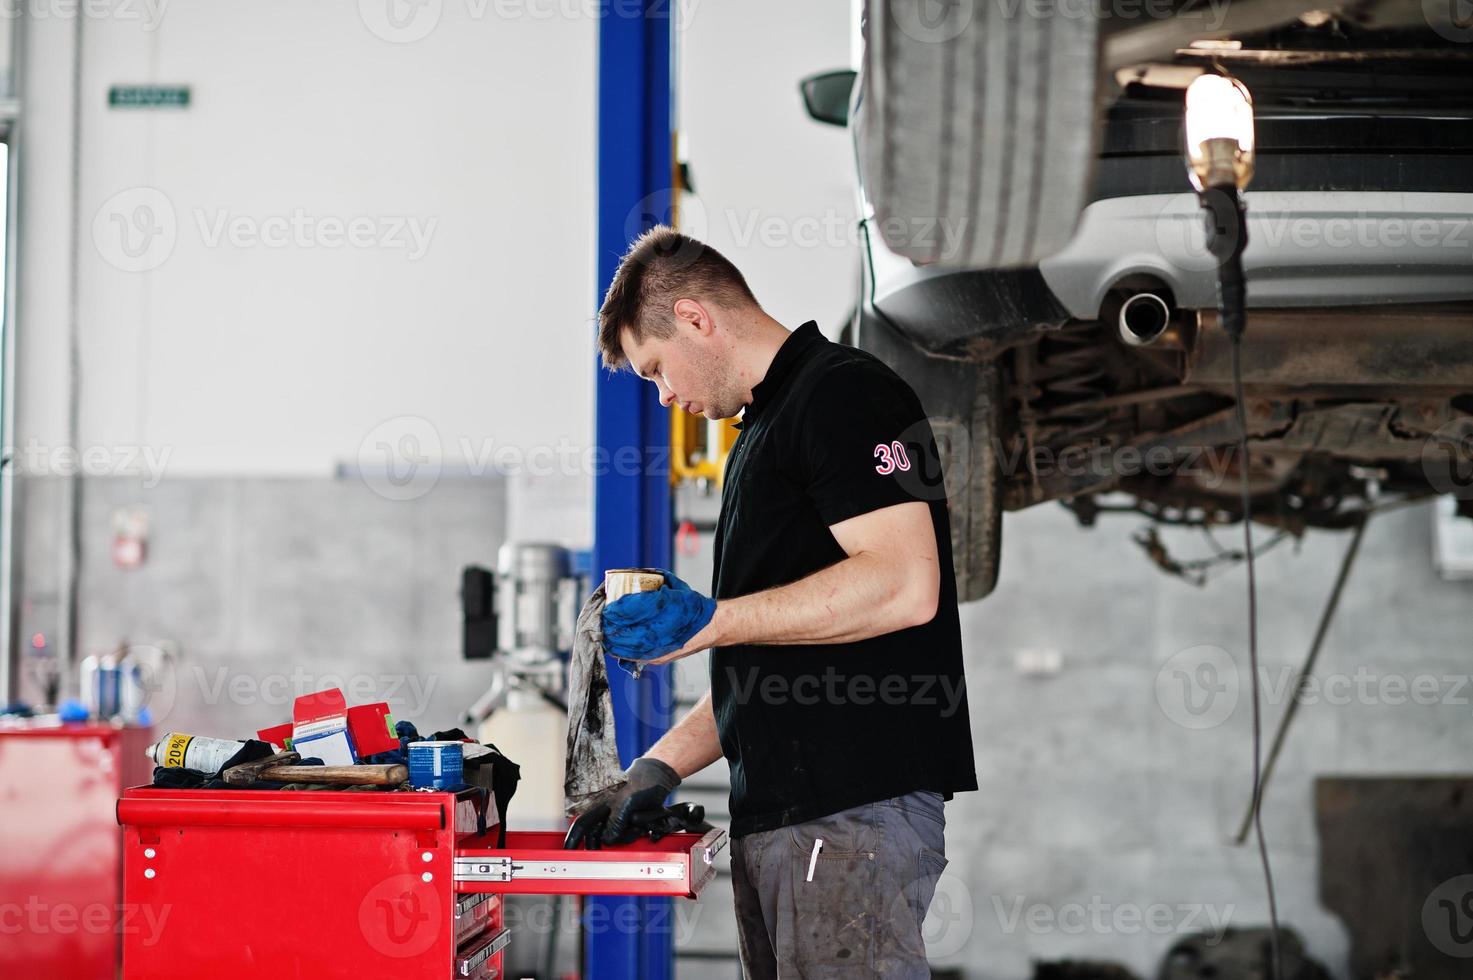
645, 625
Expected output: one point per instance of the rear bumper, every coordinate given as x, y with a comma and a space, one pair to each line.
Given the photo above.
1305, 248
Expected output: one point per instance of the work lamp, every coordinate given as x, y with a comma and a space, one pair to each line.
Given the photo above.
1219, 151
1219, 133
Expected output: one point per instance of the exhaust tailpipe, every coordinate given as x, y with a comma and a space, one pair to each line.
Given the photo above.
1144, 317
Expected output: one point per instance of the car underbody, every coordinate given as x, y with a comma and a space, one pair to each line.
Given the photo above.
1099, 377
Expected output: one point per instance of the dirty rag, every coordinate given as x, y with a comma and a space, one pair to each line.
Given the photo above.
593, 755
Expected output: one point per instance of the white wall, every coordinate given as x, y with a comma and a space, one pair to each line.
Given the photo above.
775, 190
236, 357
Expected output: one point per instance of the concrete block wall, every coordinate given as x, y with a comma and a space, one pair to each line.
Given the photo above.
274, 587
1102, 828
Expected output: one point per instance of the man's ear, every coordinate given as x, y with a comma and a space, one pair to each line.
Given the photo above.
692, 313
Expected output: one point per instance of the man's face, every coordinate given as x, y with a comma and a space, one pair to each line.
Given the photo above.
691, 369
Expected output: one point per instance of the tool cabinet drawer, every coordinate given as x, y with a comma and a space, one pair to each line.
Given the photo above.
482, 958
534, 862
352, 884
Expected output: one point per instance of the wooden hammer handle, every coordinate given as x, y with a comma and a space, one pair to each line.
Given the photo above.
248, 772
386, 775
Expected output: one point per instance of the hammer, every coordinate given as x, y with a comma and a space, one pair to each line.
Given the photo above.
278, 769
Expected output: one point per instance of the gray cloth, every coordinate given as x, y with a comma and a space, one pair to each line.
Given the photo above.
861, 914
593, 756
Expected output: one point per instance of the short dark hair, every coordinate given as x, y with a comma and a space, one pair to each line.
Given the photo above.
661, 267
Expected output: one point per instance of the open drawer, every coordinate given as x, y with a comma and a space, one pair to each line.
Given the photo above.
534, 862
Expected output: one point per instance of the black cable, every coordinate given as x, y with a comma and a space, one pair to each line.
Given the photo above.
1227, 237
1276, 969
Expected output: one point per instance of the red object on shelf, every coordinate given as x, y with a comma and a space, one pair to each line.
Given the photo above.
278, 735
282, 883
373, 728
371, 725
61, 849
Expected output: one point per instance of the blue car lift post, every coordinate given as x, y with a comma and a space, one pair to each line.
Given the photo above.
630, 938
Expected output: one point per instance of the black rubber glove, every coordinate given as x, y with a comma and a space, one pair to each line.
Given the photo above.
679, 818
613, 820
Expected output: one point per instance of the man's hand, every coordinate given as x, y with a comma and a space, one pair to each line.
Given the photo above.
629, 808
704, 640
645, 625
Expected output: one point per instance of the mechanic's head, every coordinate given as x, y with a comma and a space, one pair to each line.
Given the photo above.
676, 314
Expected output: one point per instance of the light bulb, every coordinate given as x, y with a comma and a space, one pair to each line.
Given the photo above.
1219, 132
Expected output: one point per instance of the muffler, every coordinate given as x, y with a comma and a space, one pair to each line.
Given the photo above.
1143, 318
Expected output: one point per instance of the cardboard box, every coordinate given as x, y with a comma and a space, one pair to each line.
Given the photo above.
368, 728
320, 728
372, 728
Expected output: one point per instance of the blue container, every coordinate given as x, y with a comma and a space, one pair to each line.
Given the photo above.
436, 765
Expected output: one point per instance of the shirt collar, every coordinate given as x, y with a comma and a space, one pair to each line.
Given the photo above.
792, 352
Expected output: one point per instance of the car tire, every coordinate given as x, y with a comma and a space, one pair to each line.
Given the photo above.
975, 503
963, 403
977, 125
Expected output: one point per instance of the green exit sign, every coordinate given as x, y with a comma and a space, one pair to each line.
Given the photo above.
148, 97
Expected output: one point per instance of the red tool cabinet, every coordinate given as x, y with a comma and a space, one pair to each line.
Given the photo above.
60, 848
318, 885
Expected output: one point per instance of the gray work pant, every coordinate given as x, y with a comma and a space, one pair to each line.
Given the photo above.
860, 915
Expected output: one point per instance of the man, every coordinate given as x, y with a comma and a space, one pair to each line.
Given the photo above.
837, 693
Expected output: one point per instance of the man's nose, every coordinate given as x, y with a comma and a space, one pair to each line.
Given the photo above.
667, 397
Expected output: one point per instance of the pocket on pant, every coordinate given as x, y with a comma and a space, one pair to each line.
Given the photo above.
853, 831
932, 864
910, 884
835, 914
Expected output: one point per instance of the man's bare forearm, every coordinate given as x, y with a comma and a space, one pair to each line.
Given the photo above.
692, 744
850, 600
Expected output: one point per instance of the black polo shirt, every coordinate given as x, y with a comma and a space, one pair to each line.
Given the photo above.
810, 730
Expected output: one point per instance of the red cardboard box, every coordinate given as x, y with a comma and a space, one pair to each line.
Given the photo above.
368, 725
372, 728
